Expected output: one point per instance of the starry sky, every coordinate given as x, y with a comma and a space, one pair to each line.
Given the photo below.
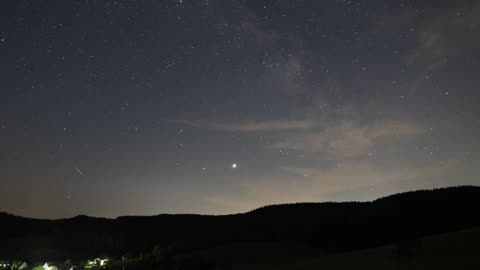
125, 107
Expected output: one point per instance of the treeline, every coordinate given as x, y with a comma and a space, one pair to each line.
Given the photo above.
331, 227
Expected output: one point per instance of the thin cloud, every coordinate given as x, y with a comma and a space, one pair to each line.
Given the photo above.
348, 139
267, 126
263, 37
450, 30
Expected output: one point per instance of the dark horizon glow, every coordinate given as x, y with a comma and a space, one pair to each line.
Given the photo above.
113, 108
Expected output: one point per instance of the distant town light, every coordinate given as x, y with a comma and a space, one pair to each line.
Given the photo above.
48, 267
103, 261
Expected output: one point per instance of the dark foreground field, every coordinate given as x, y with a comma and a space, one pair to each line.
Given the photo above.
437, 229
457, 250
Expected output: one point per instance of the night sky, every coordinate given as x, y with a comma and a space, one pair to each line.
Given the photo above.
112, 108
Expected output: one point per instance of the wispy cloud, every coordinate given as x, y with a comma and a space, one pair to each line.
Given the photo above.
274, 125
348, 139
450, 30
263, 37
446, 37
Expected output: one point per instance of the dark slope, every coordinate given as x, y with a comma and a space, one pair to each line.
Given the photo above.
332, 227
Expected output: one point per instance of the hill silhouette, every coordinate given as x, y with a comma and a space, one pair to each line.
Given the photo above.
329, 227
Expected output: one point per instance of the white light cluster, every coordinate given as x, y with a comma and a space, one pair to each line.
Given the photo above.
48, 267
103, 261
96, 263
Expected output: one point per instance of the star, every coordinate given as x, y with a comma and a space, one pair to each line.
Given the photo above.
234, 165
